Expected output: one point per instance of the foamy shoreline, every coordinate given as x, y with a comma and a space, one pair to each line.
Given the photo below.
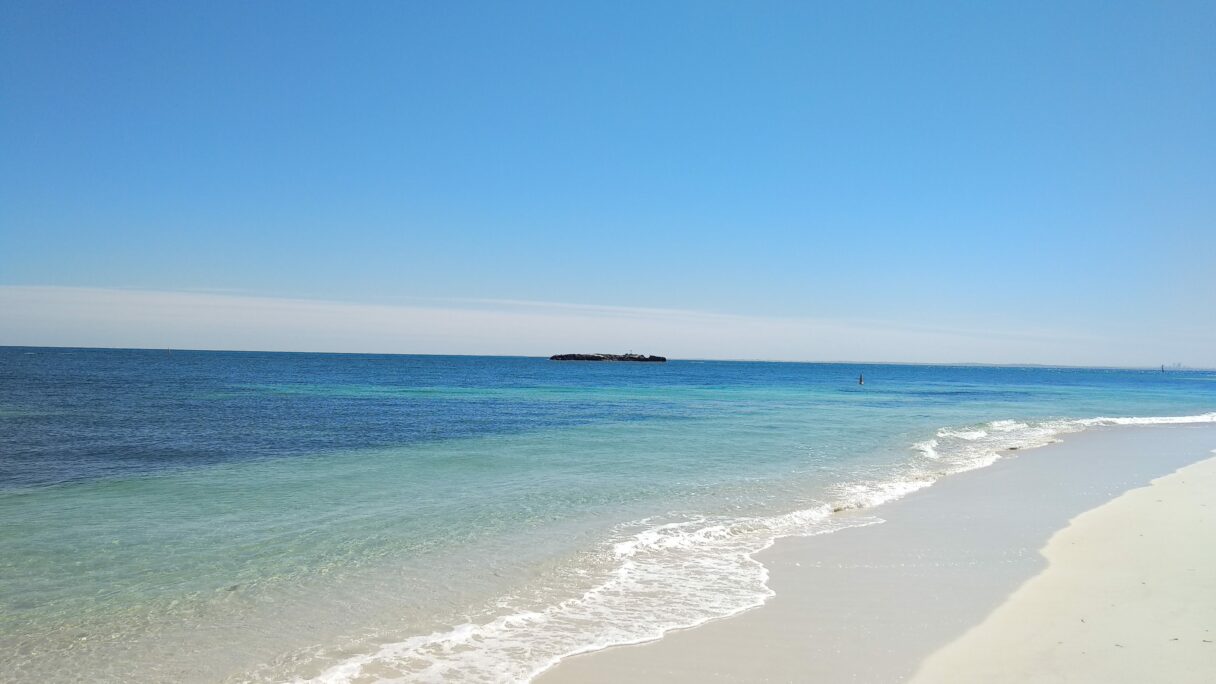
679, 576
870, 604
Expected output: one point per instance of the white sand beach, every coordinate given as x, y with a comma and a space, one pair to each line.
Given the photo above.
1056, 564
1129, 596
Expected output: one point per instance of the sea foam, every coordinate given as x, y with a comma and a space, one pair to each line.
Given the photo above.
680, 574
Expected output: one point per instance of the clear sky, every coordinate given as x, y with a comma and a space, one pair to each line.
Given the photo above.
1036, 181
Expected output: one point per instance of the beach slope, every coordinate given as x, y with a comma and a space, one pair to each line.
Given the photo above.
871, 604
1129, 596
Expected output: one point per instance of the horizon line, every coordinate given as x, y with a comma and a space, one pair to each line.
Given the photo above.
951, 364
108, 318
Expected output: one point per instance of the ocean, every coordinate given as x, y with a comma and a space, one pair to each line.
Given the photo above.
281, 517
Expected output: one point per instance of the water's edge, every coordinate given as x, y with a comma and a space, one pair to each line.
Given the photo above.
694, 571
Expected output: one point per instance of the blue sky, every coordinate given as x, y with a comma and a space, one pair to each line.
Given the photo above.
983, 167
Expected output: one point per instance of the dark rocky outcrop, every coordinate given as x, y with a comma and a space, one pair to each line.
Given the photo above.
608, 357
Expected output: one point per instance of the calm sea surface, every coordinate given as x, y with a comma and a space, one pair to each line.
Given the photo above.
212, 516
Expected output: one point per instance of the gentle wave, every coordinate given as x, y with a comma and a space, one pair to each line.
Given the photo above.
682, 574
671, 576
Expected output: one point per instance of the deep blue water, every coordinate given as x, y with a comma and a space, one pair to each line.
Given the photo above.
71, 414
198, 516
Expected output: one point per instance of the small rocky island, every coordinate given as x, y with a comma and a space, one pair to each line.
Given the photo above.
608, 357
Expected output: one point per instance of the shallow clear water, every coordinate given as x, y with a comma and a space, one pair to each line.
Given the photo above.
204, 516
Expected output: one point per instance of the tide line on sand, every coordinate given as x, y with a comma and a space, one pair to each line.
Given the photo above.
874, 603
1128, 596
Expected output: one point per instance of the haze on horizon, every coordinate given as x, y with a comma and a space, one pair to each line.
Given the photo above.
1003, 183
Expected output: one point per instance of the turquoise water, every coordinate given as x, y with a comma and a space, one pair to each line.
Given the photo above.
206, 516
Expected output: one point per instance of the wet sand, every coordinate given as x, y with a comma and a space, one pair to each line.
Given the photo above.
1129, 595
871, 604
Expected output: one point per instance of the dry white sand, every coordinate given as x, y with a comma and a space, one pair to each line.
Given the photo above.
1129, 596
871, 604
